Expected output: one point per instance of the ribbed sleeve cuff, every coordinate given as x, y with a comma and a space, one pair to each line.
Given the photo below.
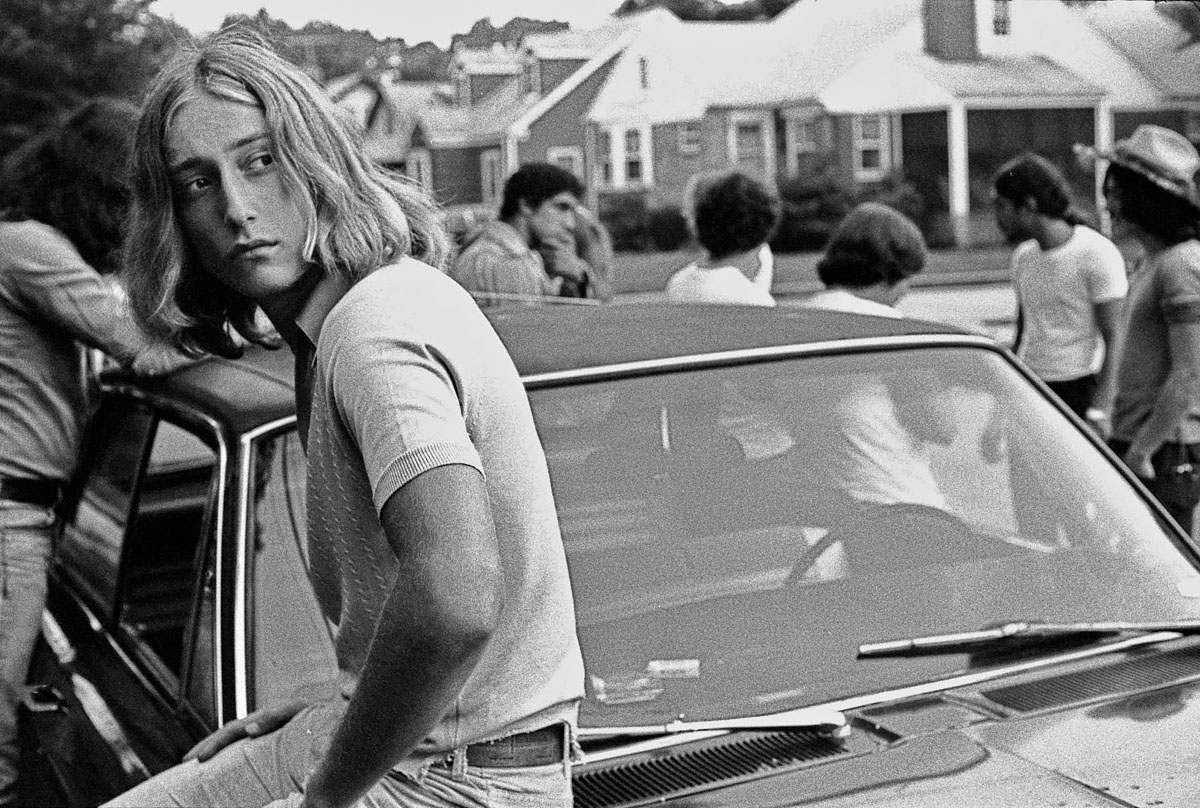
409, 465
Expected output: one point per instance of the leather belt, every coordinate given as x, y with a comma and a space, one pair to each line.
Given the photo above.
43, 493
541, 747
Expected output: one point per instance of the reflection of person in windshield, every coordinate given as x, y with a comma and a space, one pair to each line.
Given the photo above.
884, 426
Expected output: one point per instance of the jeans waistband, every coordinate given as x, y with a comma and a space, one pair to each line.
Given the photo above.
31, 491
539, 747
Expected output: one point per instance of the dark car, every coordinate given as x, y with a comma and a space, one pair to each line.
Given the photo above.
755, 504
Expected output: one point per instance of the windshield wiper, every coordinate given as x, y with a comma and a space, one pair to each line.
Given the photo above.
965, 641
821, 720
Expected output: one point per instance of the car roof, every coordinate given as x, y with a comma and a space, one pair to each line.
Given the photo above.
257, 389
560, 338
241, 393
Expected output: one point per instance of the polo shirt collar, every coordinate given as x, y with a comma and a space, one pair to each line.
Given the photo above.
325, 295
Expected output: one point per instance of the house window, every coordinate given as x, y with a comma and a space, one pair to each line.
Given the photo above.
569, 158
491, 176
644, 72
872, 156
747, 143
633, 155
604, 158
1001, 17
808, 135
689, 137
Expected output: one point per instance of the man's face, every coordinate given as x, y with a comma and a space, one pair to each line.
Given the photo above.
553, 220
1009, 219
1122, 228
236, 212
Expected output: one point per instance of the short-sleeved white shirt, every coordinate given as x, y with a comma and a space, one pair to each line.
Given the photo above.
1058, 290
410, 376
717, 285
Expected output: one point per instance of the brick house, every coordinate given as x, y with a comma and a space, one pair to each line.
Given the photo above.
500, 108
937, 92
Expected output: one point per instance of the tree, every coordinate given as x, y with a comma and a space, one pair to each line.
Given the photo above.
56, 53
1185, 14
711, 10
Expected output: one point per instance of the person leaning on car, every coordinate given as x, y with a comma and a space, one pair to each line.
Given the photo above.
62, 197
538, 215
432, 531
1151, 193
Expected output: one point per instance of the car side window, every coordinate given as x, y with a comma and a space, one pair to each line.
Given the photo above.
292, 640
90, 549
133, 541
163, 547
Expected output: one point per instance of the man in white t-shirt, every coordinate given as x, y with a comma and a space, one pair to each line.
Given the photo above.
1070, 283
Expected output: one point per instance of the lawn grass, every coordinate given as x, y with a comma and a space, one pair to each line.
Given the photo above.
795, 273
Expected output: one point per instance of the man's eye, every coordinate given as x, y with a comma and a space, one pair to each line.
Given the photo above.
193, 186
260, 161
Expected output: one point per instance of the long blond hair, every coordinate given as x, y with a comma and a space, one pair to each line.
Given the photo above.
358, 215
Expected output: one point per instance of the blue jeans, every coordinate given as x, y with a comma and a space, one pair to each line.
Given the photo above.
274, 768
26, 539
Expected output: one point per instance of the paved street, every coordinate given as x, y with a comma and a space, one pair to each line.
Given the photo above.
986, 307
990, 308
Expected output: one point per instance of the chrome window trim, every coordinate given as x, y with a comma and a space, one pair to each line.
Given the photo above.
241, 629
747, 355
164, 404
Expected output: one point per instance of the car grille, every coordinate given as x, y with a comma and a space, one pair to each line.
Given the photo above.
662, 775
1127, 676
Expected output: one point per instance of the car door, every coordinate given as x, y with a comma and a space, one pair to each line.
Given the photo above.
117, 684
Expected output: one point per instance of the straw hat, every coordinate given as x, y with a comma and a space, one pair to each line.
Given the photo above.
1161, 155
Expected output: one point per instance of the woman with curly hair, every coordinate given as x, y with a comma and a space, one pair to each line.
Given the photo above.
733, 216
869, 262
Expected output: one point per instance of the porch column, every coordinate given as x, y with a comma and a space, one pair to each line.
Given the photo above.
512, 154
960, 194
1104, 143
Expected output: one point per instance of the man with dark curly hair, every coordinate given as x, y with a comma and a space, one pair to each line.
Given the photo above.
733, 216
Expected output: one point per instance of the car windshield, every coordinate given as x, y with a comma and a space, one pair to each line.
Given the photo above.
734, 533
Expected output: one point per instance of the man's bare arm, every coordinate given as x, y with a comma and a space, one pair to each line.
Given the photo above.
439, 616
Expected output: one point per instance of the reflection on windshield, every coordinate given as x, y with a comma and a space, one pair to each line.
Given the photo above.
735, 533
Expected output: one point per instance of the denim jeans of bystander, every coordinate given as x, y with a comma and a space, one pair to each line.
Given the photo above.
26, 538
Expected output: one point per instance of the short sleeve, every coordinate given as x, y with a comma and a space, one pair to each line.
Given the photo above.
398, 398
1179, 296
1105, 272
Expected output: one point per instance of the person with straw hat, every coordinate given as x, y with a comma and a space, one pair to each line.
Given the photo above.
1150, 190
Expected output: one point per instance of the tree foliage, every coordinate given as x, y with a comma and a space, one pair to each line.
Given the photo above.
712, 10
56, 53
1185, 14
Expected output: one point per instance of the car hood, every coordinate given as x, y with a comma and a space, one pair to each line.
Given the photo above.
1139, 750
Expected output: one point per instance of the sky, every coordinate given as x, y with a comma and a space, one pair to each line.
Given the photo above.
414, 20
